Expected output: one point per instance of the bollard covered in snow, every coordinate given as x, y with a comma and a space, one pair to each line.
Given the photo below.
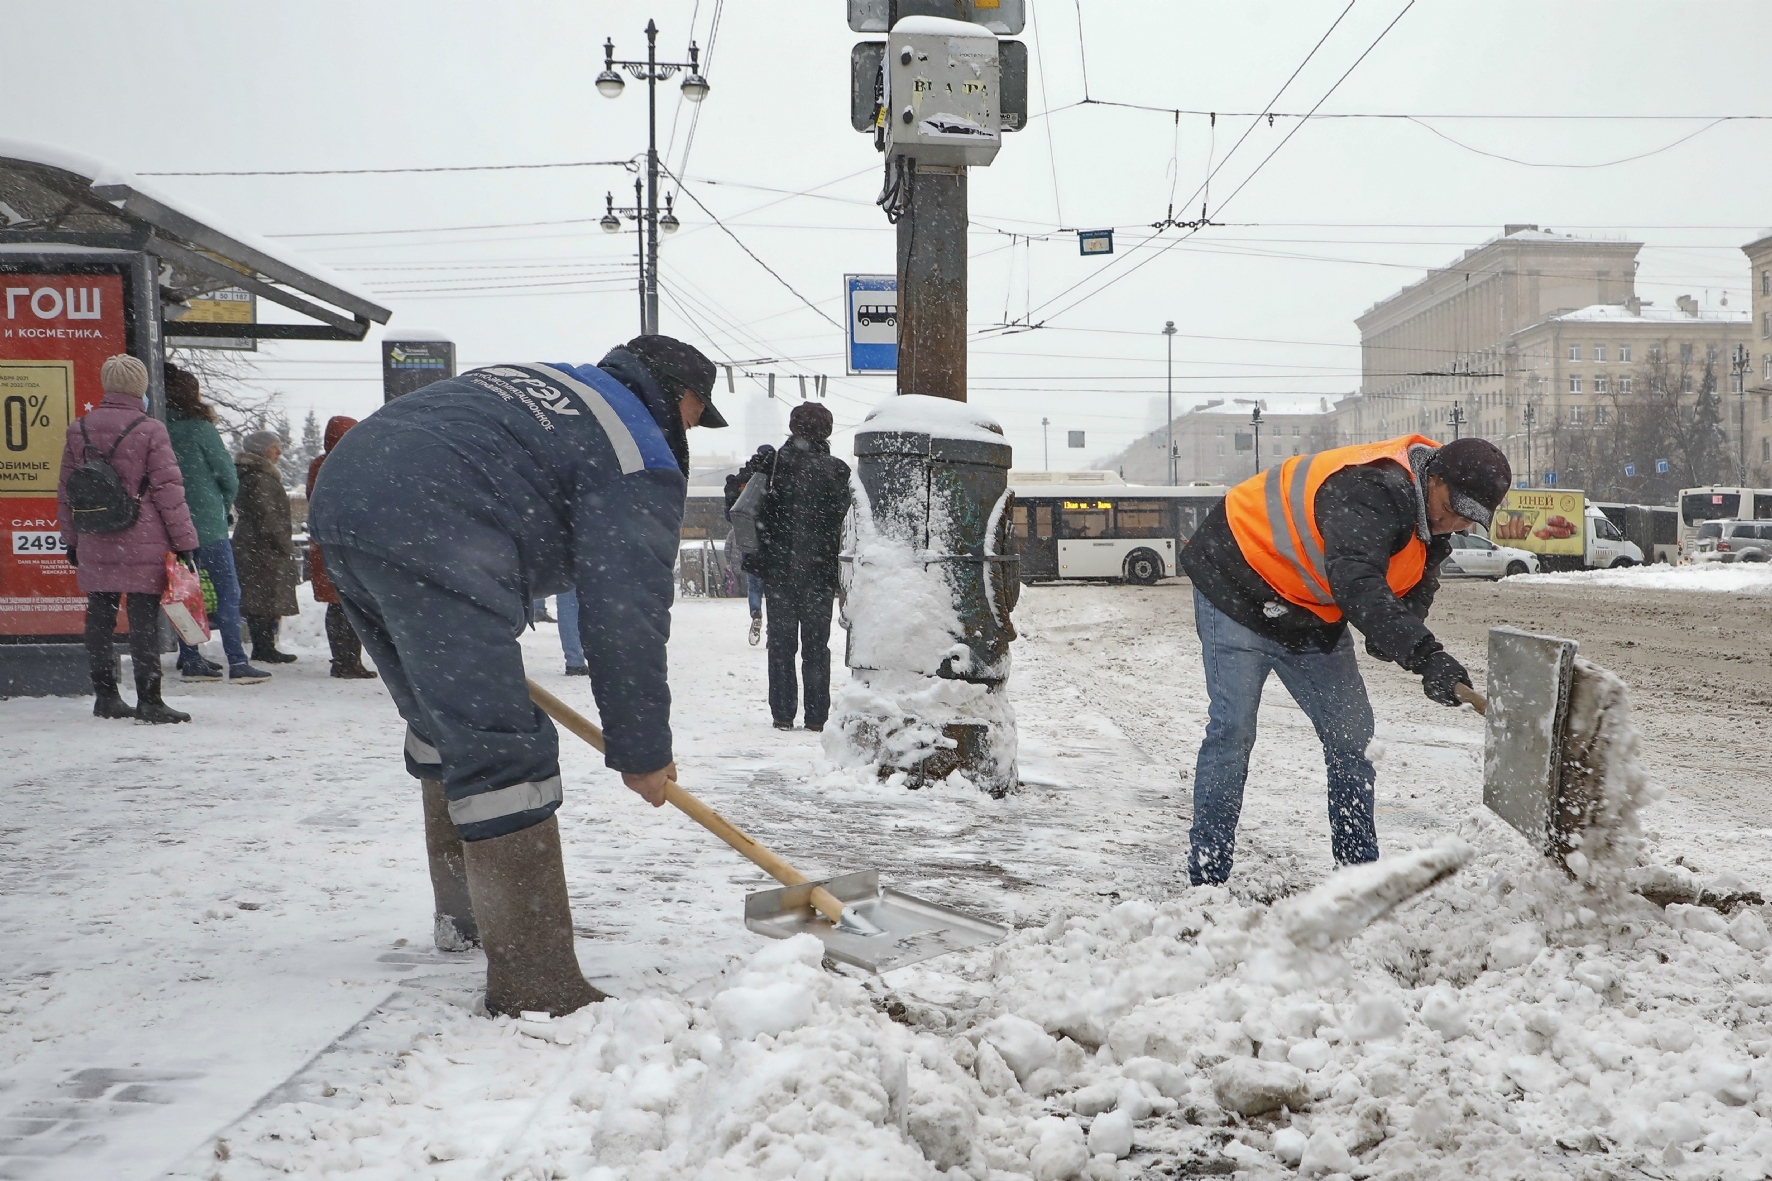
929, 582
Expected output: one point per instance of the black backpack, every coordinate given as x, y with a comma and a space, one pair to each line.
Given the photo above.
97, 500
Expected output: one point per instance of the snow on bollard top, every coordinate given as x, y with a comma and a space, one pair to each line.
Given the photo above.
943, 418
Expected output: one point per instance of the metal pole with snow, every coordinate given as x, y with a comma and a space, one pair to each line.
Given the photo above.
929, 581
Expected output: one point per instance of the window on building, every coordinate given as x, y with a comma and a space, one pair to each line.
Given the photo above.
1599, 352
1600, 383
1574, 416
1295, 432
1654, 354
1766, 449
1574, 384
1624, 384
1710, 354
1766, 282
1575, 352
1766, 366
1624, 354
1685, 354
1602, 415
1765, 408
1221, 435
1220, 449
1766, 323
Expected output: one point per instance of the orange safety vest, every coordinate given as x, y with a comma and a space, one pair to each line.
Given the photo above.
1273, 516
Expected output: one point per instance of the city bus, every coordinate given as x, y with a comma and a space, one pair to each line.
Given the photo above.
1716, 502
1105, 529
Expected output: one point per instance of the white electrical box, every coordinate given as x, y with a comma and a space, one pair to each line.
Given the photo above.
943, 92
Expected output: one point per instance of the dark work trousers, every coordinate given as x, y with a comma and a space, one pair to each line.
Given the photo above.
144, 638
347, 649
802, 620
455, 671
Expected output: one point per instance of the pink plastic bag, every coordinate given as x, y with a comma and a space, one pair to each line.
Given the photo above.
182, 600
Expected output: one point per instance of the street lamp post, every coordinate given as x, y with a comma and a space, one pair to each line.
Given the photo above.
1530, 415
1169, 399
1255, 421
1456, 418
1739, 362
1045, 445
610, 85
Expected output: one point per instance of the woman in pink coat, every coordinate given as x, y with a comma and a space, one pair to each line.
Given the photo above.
130, 563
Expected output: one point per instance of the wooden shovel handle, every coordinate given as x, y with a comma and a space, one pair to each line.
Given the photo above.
1471, 697
685, 802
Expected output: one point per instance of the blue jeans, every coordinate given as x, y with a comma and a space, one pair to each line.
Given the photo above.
571, 644
217, 560
754, 590
1327, 686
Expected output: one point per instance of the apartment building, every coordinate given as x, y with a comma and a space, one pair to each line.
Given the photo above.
1757, 404
1215, 442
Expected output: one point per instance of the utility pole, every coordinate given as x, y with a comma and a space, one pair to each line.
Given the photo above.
1255, 421
1739, 363
1169, 398
1456, 418
1530, 414
1046, 443
610, 85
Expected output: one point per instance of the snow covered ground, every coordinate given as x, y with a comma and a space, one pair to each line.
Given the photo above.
1715, 577
220, 962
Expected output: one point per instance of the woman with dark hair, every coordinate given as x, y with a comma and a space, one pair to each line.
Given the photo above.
210, 487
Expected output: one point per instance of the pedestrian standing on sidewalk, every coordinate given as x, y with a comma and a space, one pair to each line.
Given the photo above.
738, 558
126, 563
347, 650
801, 530
264, 544
444, 514
1280, 568
211, 483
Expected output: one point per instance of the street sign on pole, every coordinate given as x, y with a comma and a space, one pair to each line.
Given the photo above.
872, 305
1550, 479
1661, 467
1630, 470
1002, 17
1095, 241
1076, 439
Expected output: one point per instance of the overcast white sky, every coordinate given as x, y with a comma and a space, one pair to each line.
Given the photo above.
1347, 212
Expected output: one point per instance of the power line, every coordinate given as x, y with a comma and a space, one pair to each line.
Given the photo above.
391, 171
754, 257
1543, 164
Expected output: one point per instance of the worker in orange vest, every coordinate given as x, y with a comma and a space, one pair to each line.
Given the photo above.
1281, 567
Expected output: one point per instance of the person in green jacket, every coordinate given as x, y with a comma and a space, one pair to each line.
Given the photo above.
211, 483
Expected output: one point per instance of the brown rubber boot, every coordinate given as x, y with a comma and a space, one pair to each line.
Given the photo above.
454, 911
518, 884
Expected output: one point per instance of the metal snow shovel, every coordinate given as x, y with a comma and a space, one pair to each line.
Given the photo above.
859, 921
1537, 776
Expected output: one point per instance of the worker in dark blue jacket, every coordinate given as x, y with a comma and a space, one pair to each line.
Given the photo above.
444, 515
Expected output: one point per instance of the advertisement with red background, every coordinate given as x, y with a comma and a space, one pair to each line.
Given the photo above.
56, 329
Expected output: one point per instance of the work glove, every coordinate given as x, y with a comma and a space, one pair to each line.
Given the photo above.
1439, 673
73, 558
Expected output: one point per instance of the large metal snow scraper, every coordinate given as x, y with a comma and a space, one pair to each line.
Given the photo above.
859, 921
1537, 775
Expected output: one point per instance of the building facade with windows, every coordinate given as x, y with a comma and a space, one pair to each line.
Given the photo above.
1215, 442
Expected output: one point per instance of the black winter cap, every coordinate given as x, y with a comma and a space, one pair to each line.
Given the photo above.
811, 420
1477, 475
679, 366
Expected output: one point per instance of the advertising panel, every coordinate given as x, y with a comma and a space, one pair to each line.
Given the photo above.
408, 365
55, 332
230, 305
1542, 520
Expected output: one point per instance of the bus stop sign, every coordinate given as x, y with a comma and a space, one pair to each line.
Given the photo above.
872, 305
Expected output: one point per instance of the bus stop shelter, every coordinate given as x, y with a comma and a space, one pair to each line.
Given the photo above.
93, 263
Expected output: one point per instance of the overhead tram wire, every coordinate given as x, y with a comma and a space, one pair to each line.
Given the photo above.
1253, 174
1227, 156
395, 171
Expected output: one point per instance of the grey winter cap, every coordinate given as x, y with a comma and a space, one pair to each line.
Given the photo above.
261, 442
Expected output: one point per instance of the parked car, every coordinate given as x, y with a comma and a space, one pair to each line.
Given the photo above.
1478, 557
1732, 541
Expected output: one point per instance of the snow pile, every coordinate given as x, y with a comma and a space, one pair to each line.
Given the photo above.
1495, 1024
1716, 577
919, 414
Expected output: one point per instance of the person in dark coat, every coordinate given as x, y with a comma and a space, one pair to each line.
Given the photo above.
1280, 568
443, 516
131, 564
211, 484
347, 649
264, 545
735, 485
801, 531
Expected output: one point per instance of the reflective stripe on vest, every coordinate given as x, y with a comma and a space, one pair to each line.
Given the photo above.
1273, 516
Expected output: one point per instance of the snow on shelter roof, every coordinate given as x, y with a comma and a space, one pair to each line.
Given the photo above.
920, 414
51, 196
